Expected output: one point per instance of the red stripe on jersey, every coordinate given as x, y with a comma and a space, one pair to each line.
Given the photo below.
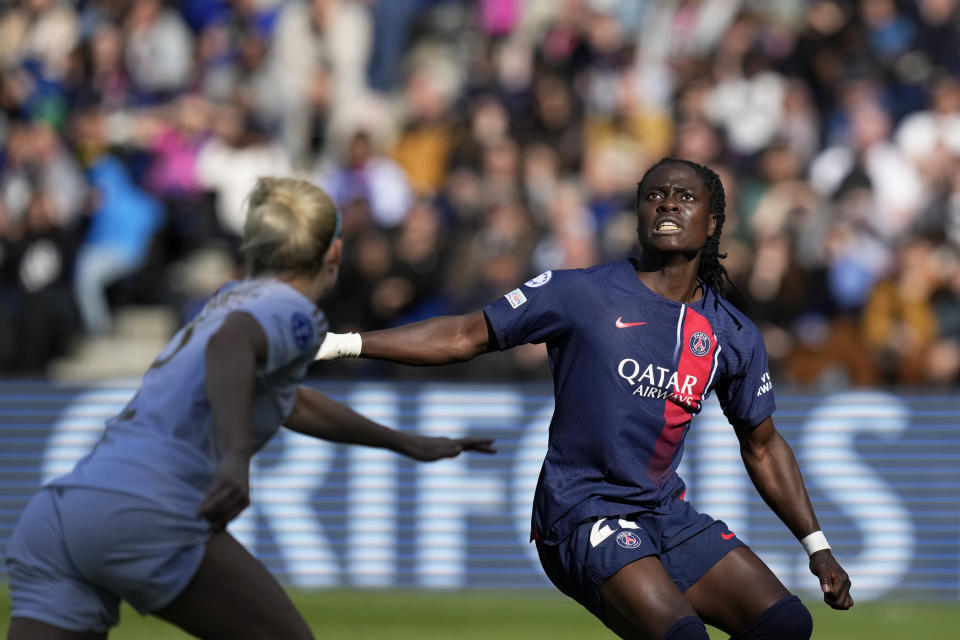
694, 367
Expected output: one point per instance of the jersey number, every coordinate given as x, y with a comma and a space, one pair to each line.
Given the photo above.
164, 359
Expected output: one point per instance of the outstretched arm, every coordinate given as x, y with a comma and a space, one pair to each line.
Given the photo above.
776, 475
435, 341
316, 415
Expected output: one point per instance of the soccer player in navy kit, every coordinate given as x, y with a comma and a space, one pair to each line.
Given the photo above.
635, 346
143, 517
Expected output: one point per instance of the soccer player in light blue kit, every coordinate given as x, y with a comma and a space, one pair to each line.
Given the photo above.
143, 517
635, 346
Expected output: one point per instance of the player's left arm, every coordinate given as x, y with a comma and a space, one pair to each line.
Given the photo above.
774, 471
316, 415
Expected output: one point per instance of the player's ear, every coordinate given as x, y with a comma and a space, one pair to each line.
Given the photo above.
334, 253
712, 224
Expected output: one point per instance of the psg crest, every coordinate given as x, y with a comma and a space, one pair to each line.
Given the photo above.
699, 344
628, 540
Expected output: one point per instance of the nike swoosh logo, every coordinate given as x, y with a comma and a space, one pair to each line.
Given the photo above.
623, 325
726, 536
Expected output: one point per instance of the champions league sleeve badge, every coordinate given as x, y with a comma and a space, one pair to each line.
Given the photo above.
302, 328
540, 280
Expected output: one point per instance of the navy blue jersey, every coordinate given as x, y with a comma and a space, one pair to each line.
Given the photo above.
630, 369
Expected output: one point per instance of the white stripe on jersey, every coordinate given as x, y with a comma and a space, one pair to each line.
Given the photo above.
676, 349
713, 371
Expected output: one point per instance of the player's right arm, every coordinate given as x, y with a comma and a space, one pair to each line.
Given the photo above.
231, 357
435, 341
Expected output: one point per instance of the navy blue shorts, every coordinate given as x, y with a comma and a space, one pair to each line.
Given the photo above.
687, 542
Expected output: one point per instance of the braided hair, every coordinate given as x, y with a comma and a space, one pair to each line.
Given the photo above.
711, 272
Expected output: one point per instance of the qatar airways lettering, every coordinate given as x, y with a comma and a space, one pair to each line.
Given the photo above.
659, 382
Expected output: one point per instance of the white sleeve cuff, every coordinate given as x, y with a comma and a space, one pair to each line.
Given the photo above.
814, 542
339, 345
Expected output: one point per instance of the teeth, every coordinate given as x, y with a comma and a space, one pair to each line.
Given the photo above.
667, 226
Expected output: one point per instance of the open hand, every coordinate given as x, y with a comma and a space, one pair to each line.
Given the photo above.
428, 449
229, 494
834, 581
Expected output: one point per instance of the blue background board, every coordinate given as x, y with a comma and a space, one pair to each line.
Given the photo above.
883, 470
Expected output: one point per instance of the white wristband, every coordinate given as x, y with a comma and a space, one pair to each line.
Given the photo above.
814, 542
339, 345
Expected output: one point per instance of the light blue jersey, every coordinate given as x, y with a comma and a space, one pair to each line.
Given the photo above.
162, 445
123, 523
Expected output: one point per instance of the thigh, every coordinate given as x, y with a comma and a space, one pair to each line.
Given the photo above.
592, 554
641, 600
233, 595
735, 591
27, 629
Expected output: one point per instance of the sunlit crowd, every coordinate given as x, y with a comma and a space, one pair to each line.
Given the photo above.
471, 145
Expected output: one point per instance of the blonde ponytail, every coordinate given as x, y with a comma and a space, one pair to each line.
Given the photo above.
290, 224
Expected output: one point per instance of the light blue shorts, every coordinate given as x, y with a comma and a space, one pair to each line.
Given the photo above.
76, 552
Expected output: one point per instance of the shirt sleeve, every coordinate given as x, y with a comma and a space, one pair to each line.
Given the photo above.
533, 312
293, 328
746, 396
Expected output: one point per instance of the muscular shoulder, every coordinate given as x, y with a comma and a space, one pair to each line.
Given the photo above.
594, 275
737, 331
563, 286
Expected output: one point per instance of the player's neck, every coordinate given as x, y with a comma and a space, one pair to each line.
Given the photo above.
314, 287
672, 279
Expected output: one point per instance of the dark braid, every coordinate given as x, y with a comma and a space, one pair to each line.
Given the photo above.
711, 272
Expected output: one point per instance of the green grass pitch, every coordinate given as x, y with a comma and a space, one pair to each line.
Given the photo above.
529, 615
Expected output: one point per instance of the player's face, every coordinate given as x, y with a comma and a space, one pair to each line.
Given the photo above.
673, 213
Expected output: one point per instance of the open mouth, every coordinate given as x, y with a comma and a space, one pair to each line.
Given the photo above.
667, 226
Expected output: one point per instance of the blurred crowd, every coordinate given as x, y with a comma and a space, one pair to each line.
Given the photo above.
474, 144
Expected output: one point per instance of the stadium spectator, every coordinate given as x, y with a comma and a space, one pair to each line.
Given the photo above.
212, 398
158, 50
317, 41
230, 161
117, 243
100, 77
366, 178
609, 520
929, 138
899, 321
420, 264
39, 31
172, 137
423, 145
937, 32
943, 364
36, 163
35, 287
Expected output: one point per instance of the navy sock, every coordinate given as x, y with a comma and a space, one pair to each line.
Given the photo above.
785, 619
689, 628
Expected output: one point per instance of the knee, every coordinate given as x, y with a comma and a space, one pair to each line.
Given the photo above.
786, 619
689, 628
